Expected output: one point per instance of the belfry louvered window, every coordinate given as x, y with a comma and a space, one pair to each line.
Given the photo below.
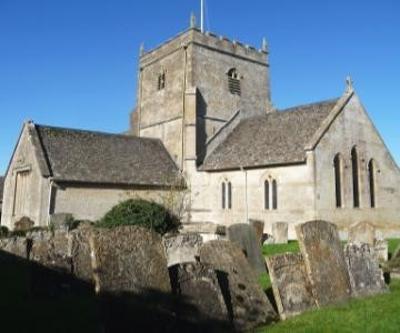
234, 82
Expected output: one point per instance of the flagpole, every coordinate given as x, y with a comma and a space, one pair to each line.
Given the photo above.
202, 16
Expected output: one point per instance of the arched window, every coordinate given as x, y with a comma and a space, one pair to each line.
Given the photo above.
337, 164
371, 178
266, 195
229, 195
234, 82
274, 194
356, 177
226, 195
223, 195
161, 81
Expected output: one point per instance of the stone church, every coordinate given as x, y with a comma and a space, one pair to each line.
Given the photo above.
205, 126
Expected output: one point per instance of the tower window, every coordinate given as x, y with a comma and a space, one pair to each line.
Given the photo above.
337, 165
371, 178
161, 81
356, 177
234, 82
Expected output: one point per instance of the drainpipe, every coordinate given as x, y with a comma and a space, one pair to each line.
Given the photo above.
246, 194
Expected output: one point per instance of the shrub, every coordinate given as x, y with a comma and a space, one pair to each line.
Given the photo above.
4, 231
141, 213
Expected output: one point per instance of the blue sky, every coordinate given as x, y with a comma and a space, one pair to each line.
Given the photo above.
73, 63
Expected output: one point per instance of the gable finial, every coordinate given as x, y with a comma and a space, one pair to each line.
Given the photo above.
193, 20
141, 50
264, 47
349, 83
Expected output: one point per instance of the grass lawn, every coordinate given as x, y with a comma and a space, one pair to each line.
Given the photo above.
374, 314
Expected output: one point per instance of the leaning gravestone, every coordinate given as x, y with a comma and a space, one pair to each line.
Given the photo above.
362, 233
247, 304
129, 260
182, 248
324, 260
245, 237
365, 275
197, 286
50, 250
259, 229
51, 265
79, 252
290, 284
280, 232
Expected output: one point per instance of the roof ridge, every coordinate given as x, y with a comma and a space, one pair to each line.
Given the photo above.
59, 128
327, 101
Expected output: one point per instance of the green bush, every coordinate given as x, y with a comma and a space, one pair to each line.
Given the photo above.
4, 231
140, 213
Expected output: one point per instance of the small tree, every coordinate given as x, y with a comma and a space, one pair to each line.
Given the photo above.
141, 213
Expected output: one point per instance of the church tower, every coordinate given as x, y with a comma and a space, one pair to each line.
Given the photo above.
192, 86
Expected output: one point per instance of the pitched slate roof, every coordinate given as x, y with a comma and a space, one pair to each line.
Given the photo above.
1, 188
276, 138
92, 157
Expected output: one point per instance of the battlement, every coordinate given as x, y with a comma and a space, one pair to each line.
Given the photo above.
194, 36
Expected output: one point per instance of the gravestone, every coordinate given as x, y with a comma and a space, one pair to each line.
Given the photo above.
245, 237
207, 230
24, 224
128, 260
362, 233
280, 232
61, 221
381, 249
182, 248
290, 284
50, 250
16, 246
365, 275
247, 304
324, 260
79, 252
197, 286
259, 229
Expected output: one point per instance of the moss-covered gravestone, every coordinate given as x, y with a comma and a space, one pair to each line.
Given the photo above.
324, 260
247, 304
129, 260
290, 284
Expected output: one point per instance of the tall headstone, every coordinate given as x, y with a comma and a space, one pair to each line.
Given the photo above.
290, 284
280, 232
247, 303
182, 248
324, 260
245, 237
362, 233
365, 275
79, 252
198, 288
259, 229
128, 260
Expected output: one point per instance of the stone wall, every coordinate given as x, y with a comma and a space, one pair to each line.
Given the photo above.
99, 200
352, 128
37, 194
